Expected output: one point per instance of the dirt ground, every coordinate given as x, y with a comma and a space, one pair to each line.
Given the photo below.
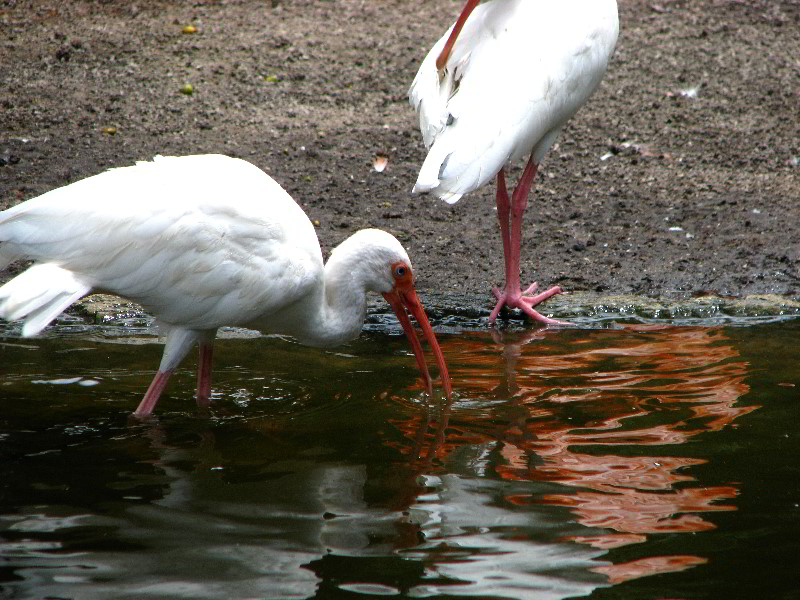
681, 176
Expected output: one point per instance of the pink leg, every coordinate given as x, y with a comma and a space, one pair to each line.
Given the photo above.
150, 399
503, 211
204, 374
513, 296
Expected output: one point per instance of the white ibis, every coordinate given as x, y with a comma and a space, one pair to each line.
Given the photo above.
201, 242
499, 86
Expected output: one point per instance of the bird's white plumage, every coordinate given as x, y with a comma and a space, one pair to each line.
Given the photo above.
518, 71
199, 241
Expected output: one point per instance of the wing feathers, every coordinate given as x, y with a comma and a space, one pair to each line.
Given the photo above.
210, 237
518, 71
39, 295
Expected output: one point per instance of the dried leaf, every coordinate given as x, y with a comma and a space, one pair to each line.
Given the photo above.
380, 162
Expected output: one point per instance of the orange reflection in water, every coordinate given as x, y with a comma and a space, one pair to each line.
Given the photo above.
556, 404
648, 566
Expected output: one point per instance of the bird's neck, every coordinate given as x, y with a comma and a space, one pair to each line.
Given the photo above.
338, 308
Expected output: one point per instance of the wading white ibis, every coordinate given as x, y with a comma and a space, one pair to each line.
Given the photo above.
499, 86
201, 242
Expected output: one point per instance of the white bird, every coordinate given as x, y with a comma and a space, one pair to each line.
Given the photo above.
499, 86
201, 242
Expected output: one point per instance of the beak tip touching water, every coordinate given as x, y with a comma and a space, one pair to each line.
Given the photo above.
403, 302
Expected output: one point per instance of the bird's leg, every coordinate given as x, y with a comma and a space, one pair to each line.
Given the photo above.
441, 60
512, 296
503, 211
519, 202
152, 395
204, 373
179, 342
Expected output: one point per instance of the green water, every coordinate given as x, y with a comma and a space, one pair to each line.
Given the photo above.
638, 460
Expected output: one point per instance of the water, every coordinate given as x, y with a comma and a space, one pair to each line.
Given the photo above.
638, 460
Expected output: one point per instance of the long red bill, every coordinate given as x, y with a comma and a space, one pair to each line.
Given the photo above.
441, 60
402, 300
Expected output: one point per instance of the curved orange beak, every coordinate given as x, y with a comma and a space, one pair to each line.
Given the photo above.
441, 60
403, 300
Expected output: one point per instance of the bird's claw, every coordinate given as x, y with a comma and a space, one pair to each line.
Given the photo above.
525, 303
533, 287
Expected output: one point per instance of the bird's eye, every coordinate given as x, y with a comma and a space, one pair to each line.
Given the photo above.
400, 271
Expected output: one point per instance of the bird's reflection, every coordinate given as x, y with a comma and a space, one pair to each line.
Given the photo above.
588, 415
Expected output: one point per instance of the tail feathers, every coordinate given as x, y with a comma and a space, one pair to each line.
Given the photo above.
428, 96
39, 295
439, 192
430, 178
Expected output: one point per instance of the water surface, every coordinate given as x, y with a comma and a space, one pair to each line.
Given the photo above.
614, 460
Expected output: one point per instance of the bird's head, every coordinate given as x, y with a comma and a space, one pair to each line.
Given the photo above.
386, 268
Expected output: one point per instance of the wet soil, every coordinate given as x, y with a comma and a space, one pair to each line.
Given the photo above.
680, 177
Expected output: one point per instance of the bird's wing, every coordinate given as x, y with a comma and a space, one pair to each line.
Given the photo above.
514, 78
429, 93
199, 241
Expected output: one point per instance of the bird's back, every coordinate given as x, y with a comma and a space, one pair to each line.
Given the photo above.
200, 241
518, 71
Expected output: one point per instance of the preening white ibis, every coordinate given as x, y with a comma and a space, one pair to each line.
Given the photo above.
201, 242
499, 86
